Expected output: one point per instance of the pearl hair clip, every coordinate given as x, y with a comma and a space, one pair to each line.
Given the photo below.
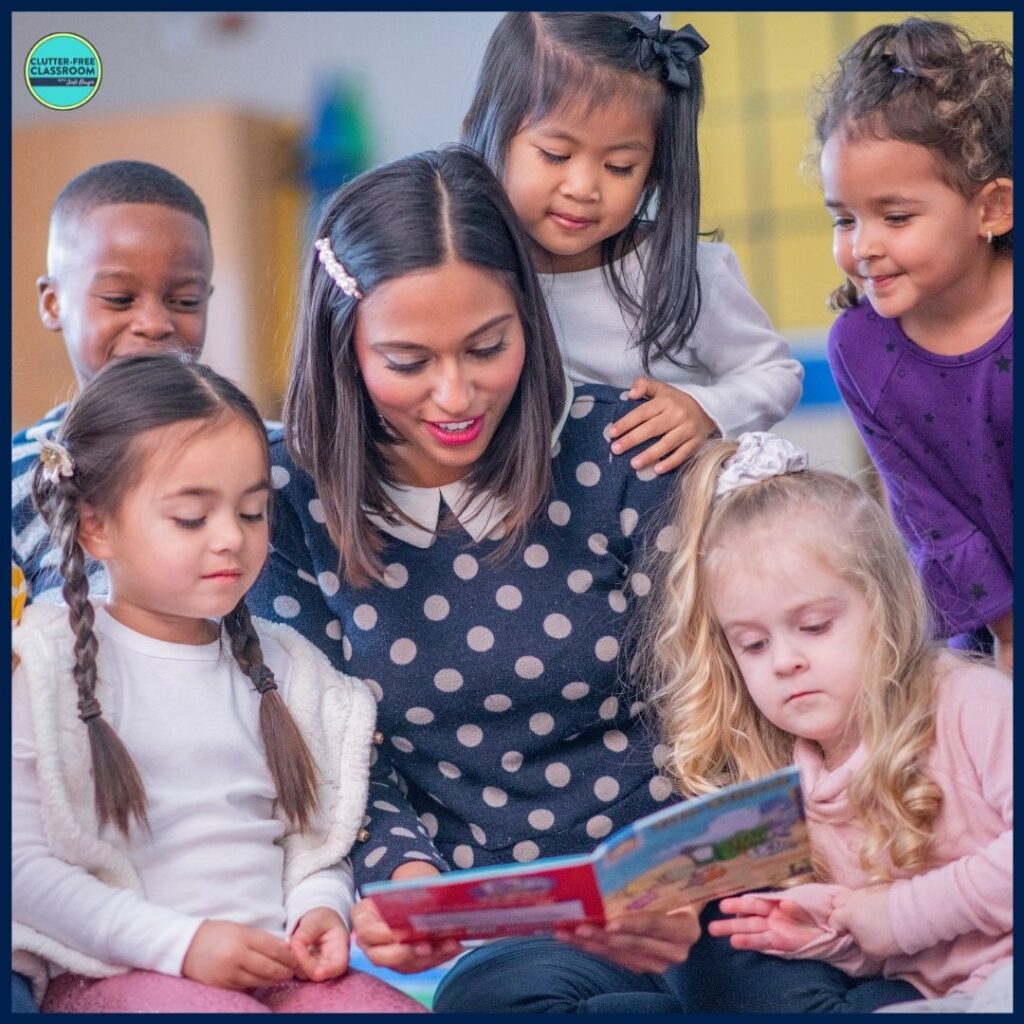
56, 460
341, 277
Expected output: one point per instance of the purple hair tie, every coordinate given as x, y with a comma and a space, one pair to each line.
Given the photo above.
899, 71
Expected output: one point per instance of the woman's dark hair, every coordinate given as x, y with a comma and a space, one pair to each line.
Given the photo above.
411, 215
101, 432
928, 83
538, 62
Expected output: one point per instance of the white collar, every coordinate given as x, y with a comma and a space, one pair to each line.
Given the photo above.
481, 518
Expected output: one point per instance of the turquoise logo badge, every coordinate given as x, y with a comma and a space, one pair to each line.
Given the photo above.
63, 71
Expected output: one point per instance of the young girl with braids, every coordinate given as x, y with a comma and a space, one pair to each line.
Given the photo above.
589, 118
916, 138
792, 627
187, 781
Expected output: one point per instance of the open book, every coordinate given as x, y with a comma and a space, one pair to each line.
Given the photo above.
748, 836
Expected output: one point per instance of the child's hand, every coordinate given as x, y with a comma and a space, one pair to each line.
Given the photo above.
644, 942
765, 925
320, 944
668, 413
1002, 630
864, 913
229, 955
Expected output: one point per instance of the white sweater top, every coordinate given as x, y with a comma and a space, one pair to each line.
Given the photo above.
216, 849
736, 368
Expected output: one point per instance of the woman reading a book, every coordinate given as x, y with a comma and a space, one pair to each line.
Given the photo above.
450, 525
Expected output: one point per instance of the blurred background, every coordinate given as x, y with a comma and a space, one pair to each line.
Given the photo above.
263, 113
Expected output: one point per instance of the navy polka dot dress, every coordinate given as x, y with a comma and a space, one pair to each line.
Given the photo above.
509, 730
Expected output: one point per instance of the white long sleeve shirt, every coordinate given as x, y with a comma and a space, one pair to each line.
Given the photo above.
189, 717
736, 367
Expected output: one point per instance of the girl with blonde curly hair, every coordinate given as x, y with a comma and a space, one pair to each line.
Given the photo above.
791, 626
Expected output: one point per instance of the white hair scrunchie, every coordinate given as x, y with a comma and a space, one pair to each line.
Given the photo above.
759, 456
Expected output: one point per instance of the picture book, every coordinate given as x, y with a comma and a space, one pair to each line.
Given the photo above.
751, 835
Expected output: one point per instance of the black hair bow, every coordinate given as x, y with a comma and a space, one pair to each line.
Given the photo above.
675, 50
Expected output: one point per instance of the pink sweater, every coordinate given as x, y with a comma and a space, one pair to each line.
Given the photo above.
953, 924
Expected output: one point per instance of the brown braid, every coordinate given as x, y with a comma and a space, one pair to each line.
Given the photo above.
119, 792
288, 757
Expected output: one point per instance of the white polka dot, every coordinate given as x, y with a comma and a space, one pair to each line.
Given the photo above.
508, 597
617, 600
607, 648
495, 797
512, 761
557, 774
419, 716
448, 770
383, 805
637, 708
660, 754
478, 833
588, 473
480, 639
541, 723
660, 787
599, 826
403, 651
598, 543
541, 819
580, 581
525, 851
646, 474
470, 735
628, 519
436, 608
286, 607
417, 855
405, 833
279, 476
463, 856
316, 511
465, 567
609, 708
430, 824
365, 616
667, 539
375, 689
329, 583
396, 576
615, 741
641, 584
497, 702
529, 667
574, 691
333, 629
536, 556
559, 513
303, 575
581, 407
448, 680
558, 627
402, 744
606, 788
346, 648
374, 856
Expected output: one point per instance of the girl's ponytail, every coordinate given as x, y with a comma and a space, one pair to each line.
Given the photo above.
288, 757
119, 792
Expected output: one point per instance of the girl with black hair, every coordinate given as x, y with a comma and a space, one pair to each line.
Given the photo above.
186, 780
590, 121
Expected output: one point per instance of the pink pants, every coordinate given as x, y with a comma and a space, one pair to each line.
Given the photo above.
149, 992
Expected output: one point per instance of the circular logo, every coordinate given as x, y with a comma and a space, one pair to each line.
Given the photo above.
63, 71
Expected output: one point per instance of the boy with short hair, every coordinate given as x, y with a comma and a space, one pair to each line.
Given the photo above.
128, 269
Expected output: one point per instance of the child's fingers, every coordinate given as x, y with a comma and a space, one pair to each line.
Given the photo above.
308, 963
633, 419
642, 387
737, 925
746, 904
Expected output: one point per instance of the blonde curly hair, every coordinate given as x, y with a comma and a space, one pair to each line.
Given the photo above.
714, 730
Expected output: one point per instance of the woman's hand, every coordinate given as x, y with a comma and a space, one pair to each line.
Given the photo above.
643, 942
668, 413
320, 944
765, 925
385, 948
864, 913
229, 955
